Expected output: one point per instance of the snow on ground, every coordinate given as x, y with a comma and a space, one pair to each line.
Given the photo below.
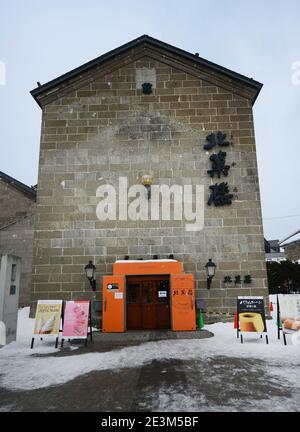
24, 369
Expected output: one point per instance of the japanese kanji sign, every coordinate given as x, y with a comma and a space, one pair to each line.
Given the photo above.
218, 165
220, 195
216, 139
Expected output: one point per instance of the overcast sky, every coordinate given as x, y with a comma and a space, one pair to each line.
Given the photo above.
41, 40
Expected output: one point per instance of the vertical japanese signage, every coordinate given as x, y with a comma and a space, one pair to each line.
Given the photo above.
183, 302
251, 314
289, 306
47, 318
219, 192
76, 319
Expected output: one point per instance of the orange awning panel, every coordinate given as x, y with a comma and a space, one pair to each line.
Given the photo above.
152, 267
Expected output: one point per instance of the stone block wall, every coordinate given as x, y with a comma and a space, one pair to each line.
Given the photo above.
16, 233
106, 129
13, 204
292, 250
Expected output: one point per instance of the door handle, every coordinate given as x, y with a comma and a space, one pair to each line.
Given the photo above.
104, 304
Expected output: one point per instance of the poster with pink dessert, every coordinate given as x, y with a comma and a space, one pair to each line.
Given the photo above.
76, 320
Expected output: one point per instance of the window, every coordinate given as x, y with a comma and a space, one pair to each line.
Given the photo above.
147, 294
13, 272
132, 293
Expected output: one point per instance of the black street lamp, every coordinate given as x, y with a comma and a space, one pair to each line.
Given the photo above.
90, 274
210, 272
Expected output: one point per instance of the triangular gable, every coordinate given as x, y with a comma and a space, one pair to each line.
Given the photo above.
153, 48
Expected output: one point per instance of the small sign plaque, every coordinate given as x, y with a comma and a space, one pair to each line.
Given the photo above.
112, 287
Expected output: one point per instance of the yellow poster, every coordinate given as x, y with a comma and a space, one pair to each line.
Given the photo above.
47, 318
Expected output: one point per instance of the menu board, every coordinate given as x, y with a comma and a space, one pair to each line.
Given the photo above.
76, 320
251, 314
289, 306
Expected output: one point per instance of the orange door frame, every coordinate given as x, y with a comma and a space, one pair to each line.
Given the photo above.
182, 293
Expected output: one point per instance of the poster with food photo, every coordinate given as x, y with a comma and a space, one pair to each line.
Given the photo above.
251, 314
289, 306
76, 319
47, 317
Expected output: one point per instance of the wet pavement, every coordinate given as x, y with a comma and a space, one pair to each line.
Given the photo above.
218, 383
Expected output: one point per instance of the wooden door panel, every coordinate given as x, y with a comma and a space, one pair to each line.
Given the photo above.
148, 306
134, 312
162, 305
148, 317
162, 316
145, 309
134, 317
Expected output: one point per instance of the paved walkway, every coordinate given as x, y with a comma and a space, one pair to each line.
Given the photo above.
217, 383
103, 342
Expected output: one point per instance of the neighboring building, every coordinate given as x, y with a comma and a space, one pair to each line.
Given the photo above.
17, 206
276, 256
272, 246
273, 251
292, 248
147, 109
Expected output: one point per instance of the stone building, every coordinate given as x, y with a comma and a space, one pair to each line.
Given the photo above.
274, 253
147, 109
17, 206
292, 250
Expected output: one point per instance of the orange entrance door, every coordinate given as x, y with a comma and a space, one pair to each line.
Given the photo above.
113, 304
183, 302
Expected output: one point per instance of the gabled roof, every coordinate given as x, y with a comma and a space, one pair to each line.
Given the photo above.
29, 191
145, 39
296, 233
291, 243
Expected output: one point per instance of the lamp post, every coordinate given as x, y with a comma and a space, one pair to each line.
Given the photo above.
210, 271
90, 274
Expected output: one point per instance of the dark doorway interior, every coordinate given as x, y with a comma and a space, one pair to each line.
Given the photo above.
148, 303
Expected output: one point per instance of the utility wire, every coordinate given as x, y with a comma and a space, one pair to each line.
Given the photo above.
281, 217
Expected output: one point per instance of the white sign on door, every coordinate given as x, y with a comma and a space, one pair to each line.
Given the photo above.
162, 293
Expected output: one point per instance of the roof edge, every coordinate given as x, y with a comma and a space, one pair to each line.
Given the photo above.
250, 82
27, 190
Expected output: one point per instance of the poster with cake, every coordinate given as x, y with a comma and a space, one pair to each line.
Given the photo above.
251, 314
76, 320
289, 306
47, 318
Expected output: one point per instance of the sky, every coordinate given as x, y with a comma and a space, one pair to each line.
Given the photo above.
41, 40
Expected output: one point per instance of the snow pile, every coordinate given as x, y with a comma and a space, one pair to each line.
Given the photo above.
22, 369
